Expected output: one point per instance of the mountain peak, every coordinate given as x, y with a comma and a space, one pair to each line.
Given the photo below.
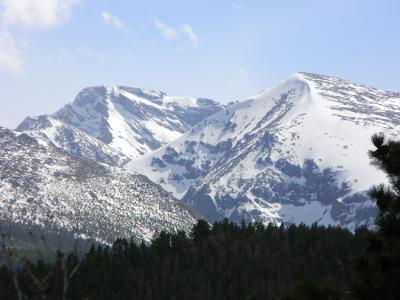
297, 147
90, 95
117, 123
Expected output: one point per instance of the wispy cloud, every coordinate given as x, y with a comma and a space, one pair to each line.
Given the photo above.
188, 31
37, 13
112, 20
236, 4
10, 56
167, 32
27, 14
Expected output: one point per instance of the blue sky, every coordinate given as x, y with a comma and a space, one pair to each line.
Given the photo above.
220, 49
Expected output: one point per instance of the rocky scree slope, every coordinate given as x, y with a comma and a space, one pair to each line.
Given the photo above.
42, 185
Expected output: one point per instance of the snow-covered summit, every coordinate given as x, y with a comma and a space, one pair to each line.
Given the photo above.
113, 124
296, 152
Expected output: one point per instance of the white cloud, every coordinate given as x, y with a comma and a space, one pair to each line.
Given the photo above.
237, 5
112, 20
27, 14
170, 33
188, 31
167, 32
36, 13
10, 56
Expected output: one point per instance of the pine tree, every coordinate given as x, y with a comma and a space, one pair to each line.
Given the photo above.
379, 270
200, 231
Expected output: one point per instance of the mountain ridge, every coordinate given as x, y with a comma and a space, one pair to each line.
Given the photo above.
306, 134
114, 124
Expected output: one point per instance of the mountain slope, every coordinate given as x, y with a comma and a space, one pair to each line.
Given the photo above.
115, 124
294, 153
42, 185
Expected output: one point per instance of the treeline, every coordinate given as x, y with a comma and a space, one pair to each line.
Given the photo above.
230, 261
225, 261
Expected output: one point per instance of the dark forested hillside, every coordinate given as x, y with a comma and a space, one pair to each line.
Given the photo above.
225, 261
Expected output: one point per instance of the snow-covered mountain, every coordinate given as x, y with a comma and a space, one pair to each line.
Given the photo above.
296, 152
42, 185
115, 124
